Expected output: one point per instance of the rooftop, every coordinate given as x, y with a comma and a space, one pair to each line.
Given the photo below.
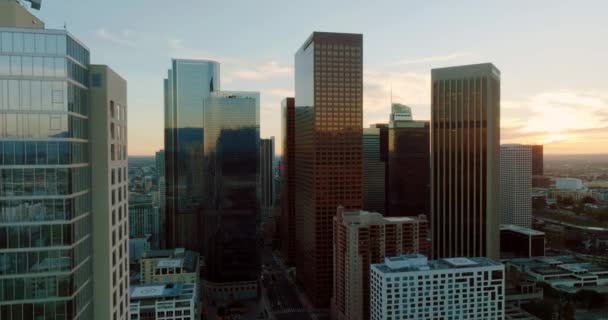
174, 258
155, 291
522, 230
418, 262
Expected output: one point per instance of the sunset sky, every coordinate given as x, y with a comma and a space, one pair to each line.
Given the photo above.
553, 56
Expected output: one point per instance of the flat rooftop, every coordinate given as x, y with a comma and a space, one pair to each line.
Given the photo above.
417, 262
522, 230
155, 291
170, 263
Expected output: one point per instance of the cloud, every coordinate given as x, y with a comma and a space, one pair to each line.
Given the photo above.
125, 37
267, 70
556, 118
410, 88
435, 58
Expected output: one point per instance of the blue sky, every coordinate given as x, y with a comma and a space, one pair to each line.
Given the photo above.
552, 55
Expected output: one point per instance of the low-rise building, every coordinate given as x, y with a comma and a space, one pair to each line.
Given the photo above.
566, 273
411, 287
169, 301
166, 266
516, 241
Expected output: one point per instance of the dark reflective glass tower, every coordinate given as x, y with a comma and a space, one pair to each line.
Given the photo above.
189, 83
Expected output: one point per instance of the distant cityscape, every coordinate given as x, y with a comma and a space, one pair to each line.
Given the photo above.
404, 219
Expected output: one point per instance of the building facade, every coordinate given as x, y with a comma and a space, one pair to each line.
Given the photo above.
145, 218
411, 287
465, 135
520, 242
267, 186
166, 266
329, 110
362, 238
188, 84
287, 225
537, 160
59, 145
515, 206
374, 170
408, 173
168, 301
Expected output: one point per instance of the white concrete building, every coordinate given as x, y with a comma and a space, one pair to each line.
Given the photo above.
516, 185
411, 287
169, 301
570, 184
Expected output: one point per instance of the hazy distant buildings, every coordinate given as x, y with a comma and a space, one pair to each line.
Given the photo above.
465, 131
515, 206
287, 225
63, 213
212, 162
374, 170
329, 107
411, 287
408, 173
360, 239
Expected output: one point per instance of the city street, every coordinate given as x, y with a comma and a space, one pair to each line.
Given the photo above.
283, 297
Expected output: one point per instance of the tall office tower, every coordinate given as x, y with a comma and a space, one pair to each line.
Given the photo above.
189, 83
287, 229
329, 107
360, 239
267, 175
212, 179
465, 133
411, 287
231, 157
515, 203
108, 144
537, 160
55, 176
374, 170
408, 173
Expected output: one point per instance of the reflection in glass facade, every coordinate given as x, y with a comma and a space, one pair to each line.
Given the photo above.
45, 199
465, 142
188, 85
231, 186
328, 144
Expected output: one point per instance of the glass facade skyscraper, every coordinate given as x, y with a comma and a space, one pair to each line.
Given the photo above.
45, 189
188, 85
212, 171
53, 116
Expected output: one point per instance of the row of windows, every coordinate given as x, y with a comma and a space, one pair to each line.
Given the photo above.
118, 152
44, 287
44, 260
44, 209
34, 43
34, 95
38, 236
42, 126
33, 66
43, 152
44, 181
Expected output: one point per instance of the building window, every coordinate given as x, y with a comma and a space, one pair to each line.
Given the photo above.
112, 109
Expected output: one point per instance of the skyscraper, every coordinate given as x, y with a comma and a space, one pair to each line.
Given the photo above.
515, 206
287, 226
329, 105
408, 174
537, 160
212, 169
374, 170
159, 160
267, 171
231, 158
189, 83
63, 142
465, 133
108, 143
362, 238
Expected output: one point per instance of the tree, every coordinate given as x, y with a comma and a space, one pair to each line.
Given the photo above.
591, 299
